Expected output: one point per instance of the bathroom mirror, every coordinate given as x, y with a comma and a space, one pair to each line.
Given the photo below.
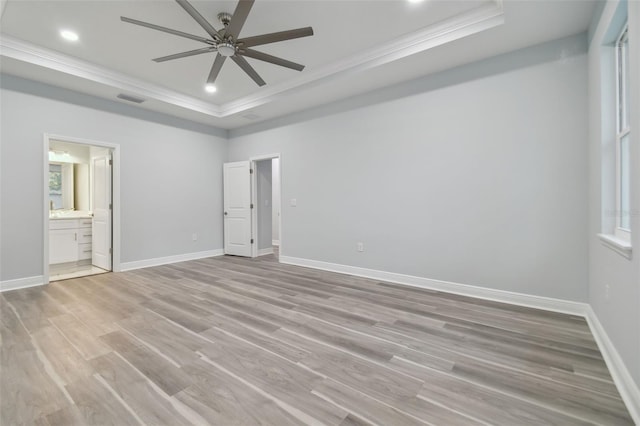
69, 172
61, 188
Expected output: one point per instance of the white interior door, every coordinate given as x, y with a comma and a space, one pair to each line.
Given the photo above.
101, 197
237, 208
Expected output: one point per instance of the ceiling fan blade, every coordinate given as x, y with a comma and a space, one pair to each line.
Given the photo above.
215, 69
274, 37
199, 18
166, 30
185, 54
271, 59
238, 18
242, 63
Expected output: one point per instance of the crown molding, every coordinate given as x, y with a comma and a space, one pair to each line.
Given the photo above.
14, 48
475, 21
472, 22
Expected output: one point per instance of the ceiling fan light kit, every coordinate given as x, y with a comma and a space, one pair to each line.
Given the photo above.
226, 42
226, 49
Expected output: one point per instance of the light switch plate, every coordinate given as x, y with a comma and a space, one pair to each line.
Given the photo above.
293, 202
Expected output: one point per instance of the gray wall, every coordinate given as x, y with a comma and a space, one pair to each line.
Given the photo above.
171, 176
264, 204
618, 309
482, 181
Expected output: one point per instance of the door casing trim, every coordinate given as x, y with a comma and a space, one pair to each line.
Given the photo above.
115, 197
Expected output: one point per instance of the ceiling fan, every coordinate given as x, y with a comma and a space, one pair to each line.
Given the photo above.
226, 42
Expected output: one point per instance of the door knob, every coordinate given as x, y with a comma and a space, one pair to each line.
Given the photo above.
225, 213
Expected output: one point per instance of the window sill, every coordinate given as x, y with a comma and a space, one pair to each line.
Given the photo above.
616, 244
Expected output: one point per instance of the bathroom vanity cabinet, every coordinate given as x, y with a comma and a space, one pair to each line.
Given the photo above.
69, 240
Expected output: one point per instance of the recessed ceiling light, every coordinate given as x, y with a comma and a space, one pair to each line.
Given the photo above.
210, 88
415, 1
69, 35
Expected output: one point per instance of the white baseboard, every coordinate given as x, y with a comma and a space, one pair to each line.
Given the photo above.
264, 251
21, 283
626, 385
538, 302
275, 242
138, 264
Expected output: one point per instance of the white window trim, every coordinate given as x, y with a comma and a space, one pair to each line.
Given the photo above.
620, 233
618, 245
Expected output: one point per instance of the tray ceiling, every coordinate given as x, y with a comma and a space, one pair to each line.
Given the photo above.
352, 38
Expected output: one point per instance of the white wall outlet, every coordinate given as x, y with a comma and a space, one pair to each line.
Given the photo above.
360, 247
194, 236
293, 202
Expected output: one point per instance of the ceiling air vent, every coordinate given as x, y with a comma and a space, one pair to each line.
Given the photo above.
130, 98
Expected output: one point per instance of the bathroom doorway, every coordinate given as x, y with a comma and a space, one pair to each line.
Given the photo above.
266, 197
79, 199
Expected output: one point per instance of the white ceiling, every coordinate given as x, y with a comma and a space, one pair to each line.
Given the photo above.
358, 46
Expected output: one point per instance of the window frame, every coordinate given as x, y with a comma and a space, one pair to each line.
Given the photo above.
622, 131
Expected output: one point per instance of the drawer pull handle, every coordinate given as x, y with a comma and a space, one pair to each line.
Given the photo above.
86, 251
87, 235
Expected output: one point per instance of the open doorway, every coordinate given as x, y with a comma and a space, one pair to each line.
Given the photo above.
266, 197
78, 208
251, 201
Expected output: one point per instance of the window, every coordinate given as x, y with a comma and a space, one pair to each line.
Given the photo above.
623, 130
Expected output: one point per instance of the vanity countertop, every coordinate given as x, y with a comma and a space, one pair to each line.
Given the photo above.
69, 215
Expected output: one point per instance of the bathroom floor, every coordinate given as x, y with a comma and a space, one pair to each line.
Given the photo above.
65, 271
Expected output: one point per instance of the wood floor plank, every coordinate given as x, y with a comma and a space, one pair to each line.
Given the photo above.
283, 380
27, 391
598, 408
353, 342
98, 406
12, 331
223, 400
487, 405
271, 313
68, 416
534, 352
168, 377
144, 399
375, 380
92, 319
238, 341
65, 360
79, 336
34, 306
432, 348
163, 336
342, 366
352, 420
243, 315
256, 337
177, 315
362, 408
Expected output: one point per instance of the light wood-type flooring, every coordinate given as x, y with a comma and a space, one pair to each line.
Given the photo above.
232, 341
65, 271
